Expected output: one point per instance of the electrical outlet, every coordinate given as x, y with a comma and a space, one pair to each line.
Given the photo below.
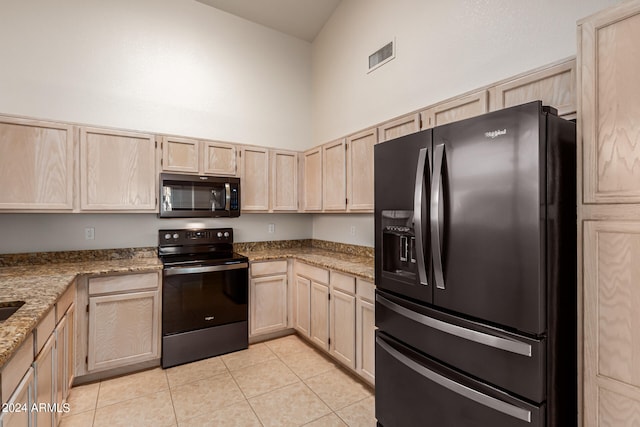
352, 230
272, 228
89, 233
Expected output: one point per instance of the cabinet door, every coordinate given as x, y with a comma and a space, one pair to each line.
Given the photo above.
23, 395
460, 108
123, 329
36, 165
117, 170
611, 323
610, 100
302, 305
180, 154
401, 126
61, 362
555, 86
360, 170
319, 306
284, 180
255, 179
343, 327
268, 304
218, 158
334, 185
312, 186
365, 339
45, 373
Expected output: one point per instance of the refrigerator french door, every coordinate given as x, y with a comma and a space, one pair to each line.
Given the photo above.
475, 259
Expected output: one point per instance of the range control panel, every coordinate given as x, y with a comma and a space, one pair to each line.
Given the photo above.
202, 236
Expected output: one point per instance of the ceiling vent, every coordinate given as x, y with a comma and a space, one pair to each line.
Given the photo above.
381, 56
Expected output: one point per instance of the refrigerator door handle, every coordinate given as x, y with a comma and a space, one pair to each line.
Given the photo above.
436, 198
513, 346
469, 393
418, 196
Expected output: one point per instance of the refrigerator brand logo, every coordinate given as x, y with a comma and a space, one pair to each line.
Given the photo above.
495, 133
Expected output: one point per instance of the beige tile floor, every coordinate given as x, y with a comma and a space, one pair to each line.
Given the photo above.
283, 382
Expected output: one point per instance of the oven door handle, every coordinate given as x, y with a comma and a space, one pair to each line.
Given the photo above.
173, 271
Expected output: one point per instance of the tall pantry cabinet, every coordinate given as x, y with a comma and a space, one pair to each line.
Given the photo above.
609, 214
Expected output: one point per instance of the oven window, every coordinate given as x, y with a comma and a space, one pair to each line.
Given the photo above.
192, 196
202, 300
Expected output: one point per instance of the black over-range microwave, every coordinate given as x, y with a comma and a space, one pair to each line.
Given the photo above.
194, 196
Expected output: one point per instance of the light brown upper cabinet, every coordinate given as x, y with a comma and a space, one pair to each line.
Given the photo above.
269, 180
255, 179
117, 171
284, 180
202, 157
609, 212
36, 165
460, 108
180, 154
610, 103
360, 170
555, 86
401, 126
312, 180
334, 184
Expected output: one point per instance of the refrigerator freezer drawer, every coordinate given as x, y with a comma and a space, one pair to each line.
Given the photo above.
414, 390
506, 360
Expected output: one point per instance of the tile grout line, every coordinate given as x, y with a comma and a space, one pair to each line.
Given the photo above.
246, 399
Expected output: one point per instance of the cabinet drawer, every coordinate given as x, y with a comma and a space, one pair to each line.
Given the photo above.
123, 283
343, 282
15, 368
65, 302
269, 267
366, 289
45, 329
314, 273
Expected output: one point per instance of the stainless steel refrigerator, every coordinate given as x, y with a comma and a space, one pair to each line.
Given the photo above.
475, 263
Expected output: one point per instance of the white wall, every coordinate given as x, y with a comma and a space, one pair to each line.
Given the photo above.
444, 48
61, 232
166, 66
339, 228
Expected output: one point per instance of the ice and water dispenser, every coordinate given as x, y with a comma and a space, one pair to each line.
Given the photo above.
399, 244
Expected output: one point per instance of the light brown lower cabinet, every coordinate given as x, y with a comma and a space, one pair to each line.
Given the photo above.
365, 330
335, 312
268, 297
121, 326
343, 318
302, 301
46, 374
23, 395
611, 323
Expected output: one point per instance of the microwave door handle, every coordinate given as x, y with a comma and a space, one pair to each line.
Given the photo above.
436, 200
418, 196
227, 193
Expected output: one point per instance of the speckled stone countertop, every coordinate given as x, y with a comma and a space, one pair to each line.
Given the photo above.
40, 279
40, 286
356, 260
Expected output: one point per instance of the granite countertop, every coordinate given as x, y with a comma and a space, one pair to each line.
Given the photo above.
358, 265
40, 286
40, 279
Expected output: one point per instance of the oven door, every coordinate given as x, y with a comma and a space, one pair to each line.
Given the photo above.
198, 297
